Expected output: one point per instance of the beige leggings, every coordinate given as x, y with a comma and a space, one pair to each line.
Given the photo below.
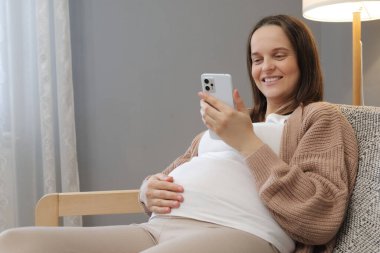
160, 235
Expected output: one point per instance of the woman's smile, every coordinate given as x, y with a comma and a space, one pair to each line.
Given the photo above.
269, 80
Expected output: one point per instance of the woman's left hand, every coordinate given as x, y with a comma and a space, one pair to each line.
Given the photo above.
234, 127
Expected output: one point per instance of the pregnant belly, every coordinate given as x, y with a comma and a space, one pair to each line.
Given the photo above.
215, 182
223, 191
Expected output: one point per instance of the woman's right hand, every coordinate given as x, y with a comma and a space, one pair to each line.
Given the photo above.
160, 194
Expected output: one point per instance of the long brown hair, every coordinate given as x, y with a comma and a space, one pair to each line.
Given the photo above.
310, 84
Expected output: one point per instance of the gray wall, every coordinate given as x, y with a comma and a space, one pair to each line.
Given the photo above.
336, 57
137, 66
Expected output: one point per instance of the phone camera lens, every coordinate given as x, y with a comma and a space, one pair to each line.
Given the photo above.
207, 88
206, 81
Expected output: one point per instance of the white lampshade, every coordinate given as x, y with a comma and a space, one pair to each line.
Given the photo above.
340, 10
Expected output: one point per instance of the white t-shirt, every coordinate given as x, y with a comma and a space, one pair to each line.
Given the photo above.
219, 187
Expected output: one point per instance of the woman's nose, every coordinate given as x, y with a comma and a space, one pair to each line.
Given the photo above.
268, 65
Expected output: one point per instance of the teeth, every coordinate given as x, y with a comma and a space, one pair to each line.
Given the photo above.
271, 79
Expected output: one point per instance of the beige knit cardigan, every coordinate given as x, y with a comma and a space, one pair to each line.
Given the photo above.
307, 188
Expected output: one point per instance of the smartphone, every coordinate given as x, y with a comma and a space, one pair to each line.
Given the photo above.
219, 86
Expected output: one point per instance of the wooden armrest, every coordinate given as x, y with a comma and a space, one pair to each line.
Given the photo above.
52, 206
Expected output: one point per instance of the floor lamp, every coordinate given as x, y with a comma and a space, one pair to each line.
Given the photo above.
346, 11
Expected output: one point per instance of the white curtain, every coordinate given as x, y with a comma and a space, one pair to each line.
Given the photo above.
37, 126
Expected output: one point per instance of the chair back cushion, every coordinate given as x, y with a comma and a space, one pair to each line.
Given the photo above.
361, 229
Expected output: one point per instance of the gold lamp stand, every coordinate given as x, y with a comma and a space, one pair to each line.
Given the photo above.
356, 60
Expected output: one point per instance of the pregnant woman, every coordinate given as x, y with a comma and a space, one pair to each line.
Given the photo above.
278, 179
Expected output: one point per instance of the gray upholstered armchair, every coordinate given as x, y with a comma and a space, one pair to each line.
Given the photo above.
359, 233
361, 229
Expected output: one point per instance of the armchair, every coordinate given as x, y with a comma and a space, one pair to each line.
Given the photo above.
54, 205
359, 233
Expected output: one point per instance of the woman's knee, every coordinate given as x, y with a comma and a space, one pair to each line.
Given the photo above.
26, 240
11, 239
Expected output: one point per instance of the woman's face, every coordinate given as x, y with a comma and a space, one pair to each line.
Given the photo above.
274, 64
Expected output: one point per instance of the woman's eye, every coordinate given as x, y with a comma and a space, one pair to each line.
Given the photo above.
280, 56
256, 61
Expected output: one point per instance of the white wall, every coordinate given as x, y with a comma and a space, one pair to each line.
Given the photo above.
137, 66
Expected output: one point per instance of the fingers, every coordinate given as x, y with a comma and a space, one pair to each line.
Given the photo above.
209, 114
163, 177
163, 182
162, 194
239, 103
213, 101
220, 106
163, 201
215, 113
211, 108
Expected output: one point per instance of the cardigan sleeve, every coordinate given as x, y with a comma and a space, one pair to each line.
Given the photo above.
308, 195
